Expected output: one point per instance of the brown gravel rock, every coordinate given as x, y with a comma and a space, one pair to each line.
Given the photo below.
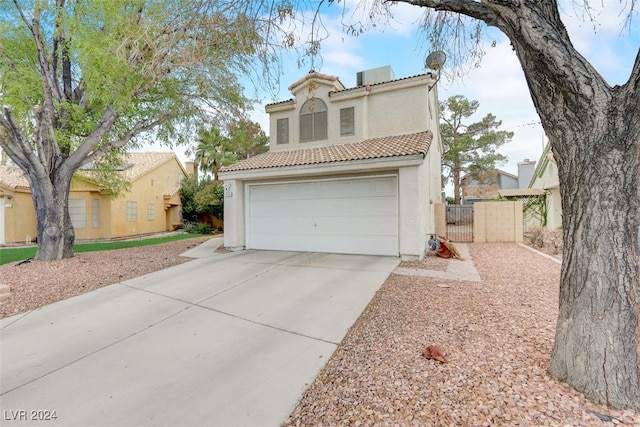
39, 283
497, 335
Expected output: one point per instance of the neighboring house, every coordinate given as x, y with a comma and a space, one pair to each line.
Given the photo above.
546, 178
349, 170
151, 205
486, 186
490, 183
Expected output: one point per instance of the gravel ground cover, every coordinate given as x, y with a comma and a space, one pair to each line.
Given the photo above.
497, 334
38, 283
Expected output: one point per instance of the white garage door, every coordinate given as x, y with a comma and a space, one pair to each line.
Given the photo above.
355, 215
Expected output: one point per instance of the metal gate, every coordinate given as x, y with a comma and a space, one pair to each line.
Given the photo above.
460, 223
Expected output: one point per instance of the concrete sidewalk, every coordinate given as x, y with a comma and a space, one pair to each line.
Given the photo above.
225, 339
464, 269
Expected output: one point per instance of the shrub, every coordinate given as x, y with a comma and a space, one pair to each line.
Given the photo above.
547, 240
198, 228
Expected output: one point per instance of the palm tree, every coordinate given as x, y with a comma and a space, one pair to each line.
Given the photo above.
212, 151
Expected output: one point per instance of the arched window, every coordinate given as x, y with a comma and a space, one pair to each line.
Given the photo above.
313, 120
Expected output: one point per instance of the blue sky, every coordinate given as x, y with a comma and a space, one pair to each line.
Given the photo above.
498, 84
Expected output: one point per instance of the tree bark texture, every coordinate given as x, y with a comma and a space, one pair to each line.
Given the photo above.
594, 131
55, 231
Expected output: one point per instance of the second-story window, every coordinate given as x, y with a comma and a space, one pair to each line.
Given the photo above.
313, 120
347, 121
282, 136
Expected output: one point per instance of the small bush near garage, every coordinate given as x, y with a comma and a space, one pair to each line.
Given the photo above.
198, 228
549, 241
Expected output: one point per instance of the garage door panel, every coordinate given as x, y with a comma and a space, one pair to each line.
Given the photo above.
366, 245
283, 208
315, 228
342, 216
357, 206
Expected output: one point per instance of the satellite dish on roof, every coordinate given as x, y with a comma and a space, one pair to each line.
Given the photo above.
436, 60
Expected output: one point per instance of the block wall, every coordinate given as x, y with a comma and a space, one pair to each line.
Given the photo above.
441, 218
497, 222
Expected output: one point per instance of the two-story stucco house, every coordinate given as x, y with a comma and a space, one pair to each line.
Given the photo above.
151, 204
354, 171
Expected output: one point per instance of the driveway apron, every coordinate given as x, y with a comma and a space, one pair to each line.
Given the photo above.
227, 339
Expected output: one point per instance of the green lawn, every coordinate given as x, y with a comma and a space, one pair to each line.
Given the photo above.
8, 255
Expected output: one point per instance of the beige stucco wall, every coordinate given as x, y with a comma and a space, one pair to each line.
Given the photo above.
546, 178
150, 189
440, 213
393, 108
497, 222
19, 217
147, 190
399, 107
554, 209
234, 211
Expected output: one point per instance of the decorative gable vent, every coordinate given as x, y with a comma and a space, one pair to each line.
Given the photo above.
375, 75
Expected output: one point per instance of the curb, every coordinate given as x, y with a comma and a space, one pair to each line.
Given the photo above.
559, 261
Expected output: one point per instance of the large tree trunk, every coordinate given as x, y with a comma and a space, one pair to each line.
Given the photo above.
55, 231
597, 345
594, 131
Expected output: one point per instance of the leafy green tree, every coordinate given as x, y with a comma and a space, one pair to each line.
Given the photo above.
201, 197
210, 199
469, 149
247, 139
79, 79
215, 150
188, 190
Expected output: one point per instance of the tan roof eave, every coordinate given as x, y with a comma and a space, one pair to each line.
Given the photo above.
350, 166
280, 106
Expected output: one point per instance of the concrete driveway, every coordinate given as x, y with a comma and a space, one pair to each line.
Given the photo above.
226, 339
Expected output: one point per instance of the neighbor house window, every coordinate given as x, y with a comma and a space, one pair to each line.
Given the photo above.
313, 121
95, 213
78, 212
132, 211
347, 121
282, 135
151, 211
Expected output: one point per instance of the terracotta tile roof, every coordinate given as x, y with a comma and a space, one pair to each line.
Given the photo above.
134, 165
315, 75
13, 177
173, 191
143, 163
375, 148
